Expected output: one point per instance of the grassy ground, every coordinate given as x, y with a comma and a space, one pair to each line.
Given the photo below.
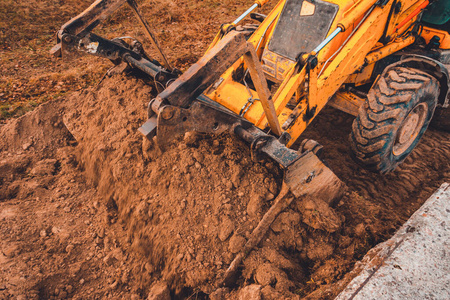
29, 75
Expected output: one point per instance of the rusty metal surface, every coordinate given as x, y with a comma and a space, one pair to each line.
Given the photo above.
206, 116
310, 176
414, 263
206, 71
150, 34
174, 121
92, 16
96, 45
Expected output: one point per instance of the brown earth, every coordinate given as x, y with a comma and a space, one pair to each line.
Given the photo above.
89, 209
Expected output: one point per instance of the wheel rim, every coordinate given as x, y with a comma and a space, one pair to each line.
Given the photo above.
410, 129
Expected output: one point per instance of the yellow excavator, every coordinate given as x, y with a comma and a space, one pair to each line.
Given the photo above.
383, 61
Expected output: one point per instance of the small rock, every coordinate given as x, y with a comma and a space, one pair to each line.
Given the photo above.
69, 289
360, 230
81, 281
159, 291
149, 267
44, 167
319, 215
254, 206
69, 248
219, 294
199, 258
228, 185
27, 145
319, 250
183, 203
109, 259
236, 243
43, 233
191, 137
179, 257
250, 292
226, 229
10, 250
198, 165
265, 274
114, 284
269, 196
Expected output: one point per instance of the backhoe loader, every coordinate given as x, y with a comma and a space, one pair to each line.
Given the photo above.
383, 61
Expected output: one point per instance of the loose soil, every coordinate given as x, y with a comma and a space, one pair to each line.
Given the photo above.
90, 209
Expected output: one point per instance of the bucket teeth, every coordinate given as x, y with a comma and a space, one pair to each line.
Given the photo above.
309, 177
148, 129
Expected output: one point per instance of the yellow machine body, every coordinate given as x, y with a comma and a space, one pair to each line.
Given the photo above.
300, 94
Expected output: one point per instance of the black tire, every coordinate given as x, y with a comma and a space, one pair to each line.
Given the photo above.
396, 114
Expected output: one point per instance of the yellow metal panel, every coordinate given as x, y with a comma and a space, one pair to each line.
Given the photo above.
391, 48
429, 33
350, 58
347, 102
341, 68
362, 77
234, 97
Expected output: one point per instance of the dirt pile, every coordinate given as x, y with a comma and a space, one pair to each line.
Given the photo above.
29, 144
89, 207
47, 230
187, 210
190, 209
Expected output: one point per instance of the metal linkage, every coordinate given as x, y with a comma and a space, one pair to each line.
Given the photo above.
258, 3
241, 17
116, 52
76, 36
327, 40
150, 35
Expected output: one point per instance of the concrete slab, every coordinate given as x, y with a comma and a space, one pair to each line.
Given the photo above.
414, 263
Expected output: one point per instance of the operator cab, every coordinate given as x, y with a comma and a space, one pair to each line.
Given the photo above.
302, 26
437, 16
